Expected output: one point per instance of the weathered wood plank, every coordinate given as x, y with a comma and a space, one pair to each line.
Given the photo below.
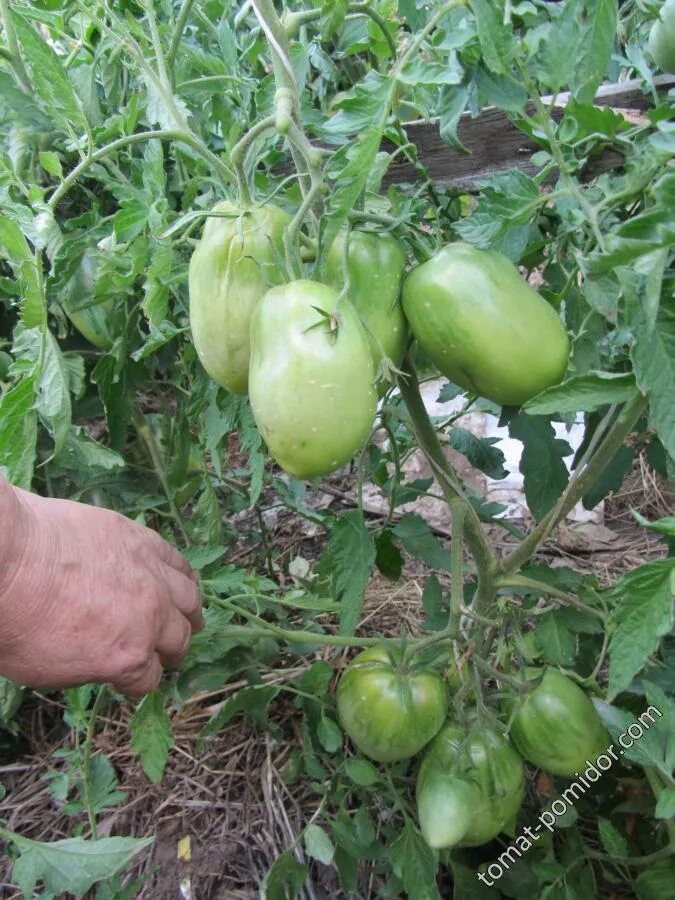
496, 145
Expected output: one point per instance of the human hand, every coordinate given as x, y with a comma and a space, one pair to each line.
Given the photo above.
87, 595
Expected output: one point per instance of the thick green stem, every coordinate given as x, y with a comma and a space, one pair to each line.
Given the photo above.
530, 584
168, 135
294, 637
457, 512
238, 156
293, 21
87, 790
578, 486
16, 60
181, 21
284, 77
427, 439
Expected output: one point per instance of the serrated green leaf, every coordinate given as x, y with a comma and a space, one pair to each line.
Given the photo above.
494, 35
653, 355
583, 393
285, 878
415, 535
613, 841
643, 616
415, 864
72, 865
49, 78
480, 452
18, 432
541, 463
557, 643
151, 737
348, 561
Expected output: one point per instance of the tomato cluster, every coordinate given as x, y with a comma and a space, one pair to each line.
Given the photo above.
311, 354
471, 779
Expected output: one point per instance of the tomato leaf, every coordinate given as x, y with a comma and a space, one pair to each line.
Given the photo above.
583, 393
643, 615
416, 536
285, 878
18, 432
481, 452
542, 463
333, 14
318, 844
151, 737
557, 643
348, 561
415, 864
361, 772
653, 355
612, 840
72, 865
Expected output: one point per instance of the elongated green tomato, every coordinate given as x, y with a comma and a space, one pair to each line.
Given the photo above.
96, 319
311, 378
388, 713
376, 263
470, 786
234, 264
556, 726
483, 326
662, 38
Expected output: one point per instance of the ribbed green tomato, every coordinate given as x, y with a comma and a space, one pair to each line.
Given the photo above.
388, 713
662, 38
234, 264
376, 263
556, 726
470, 786
311, 378
96, 319
483, 326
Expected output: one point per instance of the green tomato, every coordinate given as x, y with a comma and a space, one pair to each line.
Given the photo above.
483, 326
662, 38
556, 726
234, 264
376, 263
470, 786
390, 714
96, 319
311, 378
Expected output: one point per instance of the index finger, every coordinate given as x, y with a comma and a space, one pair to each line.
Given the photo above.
171, 556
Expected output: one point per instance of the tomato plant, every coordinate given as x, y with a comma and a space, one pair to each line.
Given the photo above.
289, 282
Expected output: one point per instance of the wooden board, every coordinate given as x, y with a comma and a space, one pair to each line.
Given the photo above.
496, 145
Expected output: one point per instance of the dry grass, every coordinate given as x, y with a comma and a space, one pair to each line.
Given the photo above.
231, 799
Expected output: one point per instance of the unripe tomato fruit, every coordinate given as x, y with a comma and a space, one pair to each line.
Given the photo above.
470, 786
234, 264
311, 378
662, 38
483, 326
556, 726
388, 713
375, 265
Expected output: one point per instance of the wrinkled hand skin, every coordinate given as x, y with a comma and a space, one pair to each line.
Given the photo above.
87, 595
